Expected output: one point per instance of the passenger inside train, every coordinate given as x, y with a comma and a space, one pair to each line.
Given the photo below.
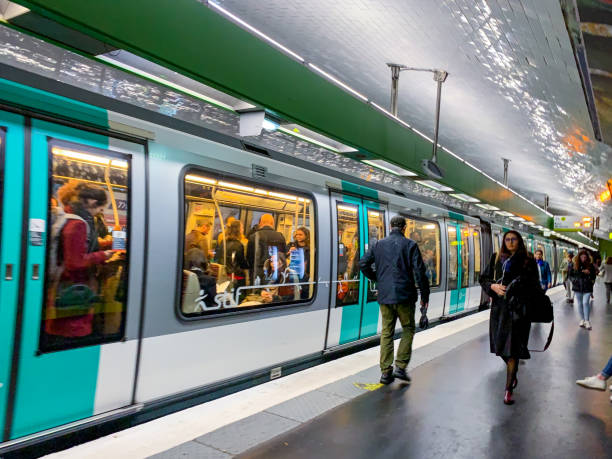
253, 271
86, 278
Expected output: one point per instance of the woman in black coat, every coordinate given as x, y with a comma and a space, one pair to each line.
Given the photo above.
510, 278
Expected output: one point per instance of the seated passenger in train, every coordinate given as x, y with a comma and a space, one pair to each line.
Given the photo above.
264, 243
299, 258
196, 265
74, 284
197, 238
276, 273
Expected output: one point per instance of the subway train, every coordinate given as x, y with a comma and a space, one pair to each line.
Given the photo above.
180, 294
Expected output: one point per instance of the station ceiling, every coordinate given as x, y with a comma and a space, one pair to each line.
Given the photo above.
514, 89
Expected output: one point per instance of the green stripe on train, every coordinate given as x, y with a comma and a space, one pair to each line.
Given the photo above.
52, 104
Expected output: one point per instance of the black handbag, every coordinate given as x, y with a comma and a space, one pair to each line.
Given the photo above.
541, 311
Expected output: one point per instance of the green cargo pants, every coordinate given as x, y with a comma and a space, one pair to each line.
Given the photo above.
390, 313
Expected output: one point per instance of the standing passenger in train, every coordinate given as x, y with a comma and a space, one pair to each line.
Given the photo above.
394, 263
197, 239
543, 270
299, 257
510, 279
74, 285
264, 243
583, 278
566, 266
231, 247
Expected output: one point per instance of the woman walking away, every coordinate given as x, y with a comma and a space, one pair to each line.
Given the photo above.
510, 278
606, 272
583, 278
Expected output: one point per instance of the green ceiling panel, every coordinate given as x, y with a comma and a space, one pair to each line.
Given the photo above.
188, 37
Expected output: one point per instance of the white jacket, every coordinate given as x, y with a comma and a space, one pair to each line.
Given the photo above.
605, 271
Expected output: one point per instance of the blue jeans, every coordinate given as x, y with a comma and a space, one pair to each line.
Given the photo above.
607, 372
583, 300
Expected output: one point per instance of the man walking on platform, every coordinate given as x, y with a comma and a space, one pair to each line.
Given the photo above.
566, 266
394, 263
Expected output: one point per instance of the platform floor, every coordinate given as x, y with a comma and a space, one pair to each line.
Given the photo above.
454, 408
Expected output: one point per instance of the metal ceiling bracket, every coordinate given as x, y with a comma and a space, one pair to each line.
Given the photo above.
506, 161
430, 166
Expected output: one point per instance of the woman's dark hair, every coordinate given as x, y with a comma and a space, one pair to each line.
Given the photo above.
86, 191
195, 258
233, 230
306, 232
521, 250
578, 263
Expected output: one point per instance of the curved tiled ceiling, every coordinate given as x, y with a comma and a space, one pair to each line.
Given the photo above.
513, 91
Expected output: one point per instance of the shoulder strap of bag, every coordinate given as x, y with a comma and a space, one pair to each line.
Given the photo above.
548, 341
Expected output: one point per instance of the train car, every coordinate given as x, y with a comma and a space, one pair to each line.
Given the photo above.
212, 268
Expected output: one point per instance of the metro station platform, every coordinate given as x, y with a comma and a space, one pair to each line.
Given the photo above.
452, 408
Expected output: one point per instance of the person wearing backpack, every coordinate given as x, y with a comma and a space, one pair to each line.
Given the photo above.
73, 255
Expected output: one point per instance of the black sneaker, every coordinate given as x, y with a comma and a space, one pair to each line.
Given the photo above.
386, 377
400, 373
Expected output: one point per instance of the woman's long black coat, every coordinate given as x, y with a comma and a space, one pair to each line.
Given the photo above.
509, 326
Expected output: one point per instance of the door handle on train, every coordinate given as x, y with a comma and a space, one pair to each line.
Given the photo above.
35, 271
8, 271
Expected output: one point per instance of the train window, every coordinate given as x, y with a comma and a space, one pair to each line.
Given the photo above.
87, 251
453, 266
227, 268
427, 236
465, 256
496, 246
477, 262
376, 231
347, 287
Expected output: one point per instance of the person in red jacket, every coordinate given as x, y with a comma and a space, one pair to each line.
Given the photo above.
78, 253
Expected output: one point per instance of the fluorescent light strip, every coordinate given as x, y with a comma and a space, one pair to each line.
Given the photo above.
391, 115
487, 206
337, 81
308, 139
398, 171
464, 197
516, 218
434, 186
255, 31
165, 82
503, 213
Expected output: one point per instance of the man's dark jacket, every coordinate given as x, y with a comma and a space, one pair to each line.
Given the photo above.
394, 263
258, 248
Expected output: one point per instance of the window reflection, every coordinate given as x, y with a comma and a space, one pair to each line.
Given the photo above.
427, 236
245, 246
86, 273
347, 289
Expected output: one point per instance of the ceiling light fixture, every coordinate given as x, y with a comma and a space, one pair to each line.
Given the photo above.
255, 31
434, 185
464, 197
308, 139
164, 82
487, 206
389, 167
504, 213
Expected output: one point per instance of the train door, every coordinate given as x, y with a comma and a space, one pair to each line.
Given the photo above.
11, 208
458, 266
75, 354
473, 299
359, 223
